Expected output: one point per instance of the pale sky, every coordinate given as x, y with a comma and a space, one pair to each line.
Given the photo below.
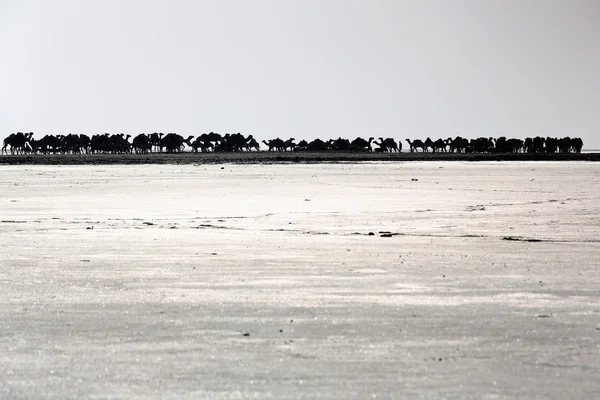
302, 68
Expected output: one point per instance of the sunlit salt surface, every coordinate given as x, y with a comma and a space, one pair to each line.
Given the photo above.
281, 281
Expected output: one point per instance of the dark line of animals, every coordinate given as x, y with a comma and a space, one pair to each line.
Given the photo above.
24, 143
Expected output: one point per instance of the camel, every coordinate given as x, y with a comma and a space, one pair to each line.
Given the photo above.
440, 145
528, 145
386, 145
174, 143
360, 144
252, 144
564, 145
49, 143
302, 146
289, 144
576, 145
155, 139
207, 142
121, 143
380, 148
33, 146
462, 144
275, 144
339, 144
84, 143
17, 142
141, 143
514, 145
197, 144
233, 142
451, 145
71, 144
539, 143
8, 142
427, 144
270, 145
106, 144
98, 144
391, 145
416, 144
317, 145
480, 145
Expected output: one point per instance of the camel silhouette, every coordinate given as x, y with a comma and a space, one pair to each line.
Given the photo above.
289, 144
360, 144
23, 143
386, 145
174, 143
415, 144
17, 142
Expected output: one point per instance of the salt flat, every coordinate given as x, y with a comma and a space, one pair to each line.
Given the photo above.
479, 280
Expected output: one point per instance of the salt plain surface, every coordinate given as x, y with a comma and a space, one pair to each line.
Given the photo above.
261, 281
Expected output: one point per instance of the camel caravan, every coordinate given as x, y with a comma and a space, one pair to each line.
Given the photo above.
24, 143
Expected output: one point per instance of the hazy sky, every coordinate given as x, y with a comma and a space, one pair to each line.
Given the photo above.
302, 68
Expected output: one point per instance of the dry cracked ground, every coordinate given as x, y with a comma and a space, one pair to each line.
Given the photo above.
341, 281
